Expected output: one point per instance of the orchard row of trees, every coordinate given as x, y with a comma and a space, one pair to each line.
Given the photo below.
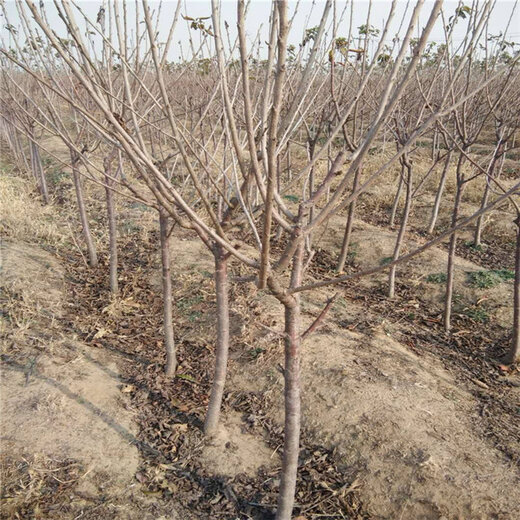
254, 148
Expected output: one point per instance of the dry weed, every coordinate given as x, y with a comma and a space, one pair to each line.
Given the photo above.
33, 485
23, 216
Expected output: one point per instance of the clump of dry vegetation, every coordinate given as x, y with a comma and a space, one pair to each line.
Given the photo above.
22, 219
32, 485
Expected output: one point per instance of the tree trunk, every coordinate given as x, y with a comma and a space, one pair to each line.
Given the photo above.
348, 228
169, 341
438, 195
402, 228
397, 197
485, 196
453, 247
112, 228
291, 446
23, 155
34, 170
310, 153
21, 159
477, 240
38, 172
513, 356
92, 255
503, 160
11, 134
222, 349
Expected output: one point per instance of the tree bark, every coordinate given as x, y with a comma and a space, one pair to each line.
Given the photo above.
112, 225
222, 348
39, 174
311, 146
485, 196
91, 249
169, 341
272, 139
402, 228
438, 195
348, 228
435, 142
513, 356
397, 197
477, 240
20, 154
292, 394
453, 246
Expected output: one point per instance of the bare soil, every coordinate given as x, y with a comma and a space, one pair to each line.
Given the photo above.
400, 420
61, 400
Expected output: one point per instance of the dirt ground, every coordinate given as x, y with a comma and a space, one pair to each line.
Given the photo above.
400, 421
61, 399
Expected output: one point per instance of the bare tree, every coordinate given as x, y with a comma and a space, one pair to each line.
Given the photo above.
228, 187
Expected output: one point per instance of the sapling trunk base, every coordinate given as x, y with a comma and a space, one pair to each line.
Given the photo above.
348, 228
91, 249
453, 246
293, 342
438, 195
39, 174
513, 356
402, 227
169, 341
222, 347
112, 226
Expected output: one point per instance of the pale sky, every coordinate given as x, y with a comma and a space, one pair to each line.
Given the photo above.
259, 10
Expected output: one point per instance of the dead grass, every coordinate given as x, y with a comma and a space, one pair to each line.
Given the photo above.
23, 215
32, 484
17, 312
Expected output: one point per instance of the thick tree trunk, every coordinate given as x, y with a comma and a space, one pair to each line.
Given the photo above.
438, 195
222, 348
350, 223
112, 227
169, 341
291, 446
402, 228
91, 249
513, 356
